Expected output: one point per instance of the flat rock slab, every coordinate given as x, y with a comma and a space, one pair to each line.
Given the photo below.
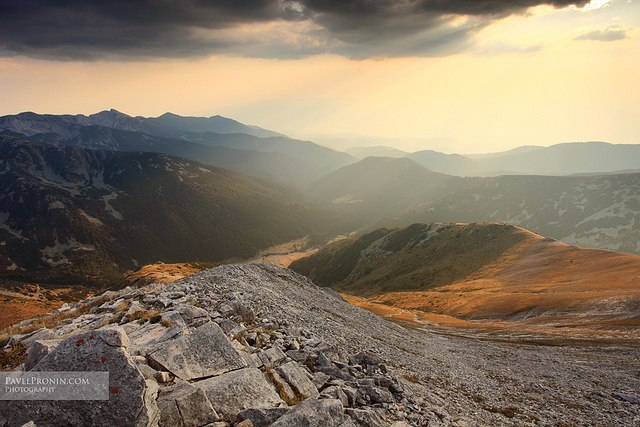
299, 380
236, 391
185, 405
98, 350
313, 413
204, 353
262, 417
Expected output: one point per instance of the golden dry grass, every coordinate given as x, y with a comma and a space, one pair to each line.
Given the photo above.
163, 273
286, 253
16, 305
540, 284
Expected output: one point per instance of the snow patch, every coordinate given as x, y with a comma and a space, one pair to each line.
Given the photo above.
47, 176
90, 219
437, 228
346, 199
107, 206
55, 255
56, 204
4, 216
98, 182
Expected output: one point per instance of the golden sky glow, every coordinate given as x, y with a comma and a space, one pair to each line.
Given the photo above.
543, 77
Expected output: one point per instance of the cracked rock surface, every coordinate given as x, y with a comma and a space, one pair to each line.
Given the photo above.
258, 345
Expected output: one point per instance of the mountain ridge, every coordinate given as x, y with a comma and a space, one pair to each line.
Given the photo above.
295, 354
566, 158
263, 153
81, 215
486, 272
601, 211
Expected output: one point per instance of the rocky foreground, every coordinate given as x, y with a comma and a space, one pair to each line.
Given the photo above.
258, 345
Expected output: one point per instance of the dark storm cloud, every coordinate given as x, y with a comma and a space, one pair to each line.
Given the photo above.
609, 34
96, 29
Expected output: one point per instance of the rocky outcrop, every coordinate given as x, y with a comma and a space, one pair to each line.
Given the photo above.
206, 352
130, 397
176, 360
258, 345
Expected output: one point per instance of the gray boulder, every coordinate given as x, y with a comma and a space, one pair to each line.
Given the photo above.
204, 353
236, 391
37, 351
98, 350
366, 418
314, 413
299, 380
262, 417
185, 405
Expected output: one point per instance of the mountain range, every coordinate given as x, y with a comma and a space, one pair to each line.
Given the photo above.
595, 211
90, 196
70, 214
216, 141
573, 158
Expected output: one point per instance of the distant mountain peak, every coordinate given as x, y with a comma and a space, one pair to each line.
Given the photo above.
169, 114
115, 119
110, 113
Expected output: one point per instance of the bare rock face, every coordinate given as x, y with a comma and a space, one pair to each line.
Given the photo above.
258, 345
37, 351
98, 350
204, 353
236, 391
299, 379
314, 413
208, 356
185, 405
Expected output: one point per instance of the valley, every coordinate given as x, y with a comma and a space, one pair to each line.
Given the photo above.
89, 184
286, 253
302, 213
19, 301
489, 298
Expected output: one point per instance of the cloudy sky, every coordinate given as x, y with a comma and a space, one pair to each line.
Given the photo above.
456, 76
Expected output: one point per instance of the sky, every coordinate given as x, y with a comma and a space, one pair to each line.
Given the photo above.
469, 76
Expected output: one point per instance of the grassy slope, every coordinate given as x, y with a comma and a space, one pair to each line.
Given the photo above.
494, 272
415, 258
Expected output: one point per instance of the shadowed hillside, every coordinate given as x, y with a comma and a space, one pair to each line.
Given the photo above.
215, 141
595, 211
77, 215
592, 211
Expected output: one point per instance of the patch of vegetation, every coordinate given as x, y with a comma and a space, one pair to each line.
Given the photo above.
4, 339
166, 323
142, 316
332, 264
200, 265
14, 356
52, 320
412, 378
509, 411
